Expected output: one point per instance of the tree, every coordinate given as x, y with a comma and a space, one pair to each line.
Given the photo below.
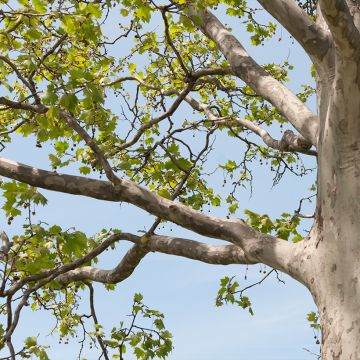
57, 68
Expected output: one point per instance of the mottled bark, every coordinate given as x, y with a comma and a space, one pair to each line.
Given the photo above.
331, 257
341, 24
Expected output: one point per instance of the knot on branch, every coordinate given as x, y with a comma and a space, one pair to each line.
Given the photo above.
290, 141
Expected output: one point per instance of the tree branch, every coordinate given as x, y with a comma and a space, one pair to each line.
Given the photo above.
211, 254
341, 24
257, 246
313, 38
22, 106
157, 119
193, 75
64, 268
287, 103
96, 322
195, 250
289, 141
71, 121
29, 84
121, 272
47, 54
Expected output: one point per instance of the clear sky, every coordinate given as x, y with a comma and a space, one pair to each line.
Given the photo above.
183, 289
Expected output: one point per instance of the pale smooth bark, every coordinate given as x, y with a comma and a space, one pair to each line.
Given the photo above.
337, 289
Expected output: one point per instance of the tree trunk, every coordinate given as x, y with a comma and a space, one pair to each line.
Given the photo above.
334, 284
333, 248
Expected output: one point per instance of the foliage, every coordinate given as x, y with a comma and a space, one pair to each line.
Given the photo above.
146, 343
227, 291
313, 319
282, 227
59, 61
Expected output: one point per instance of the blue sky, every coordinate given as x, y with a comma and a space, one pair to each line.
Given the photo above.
185, 290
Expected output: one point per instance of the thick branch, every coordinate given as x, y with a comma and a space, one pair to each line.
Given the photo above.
259, 247
211, 254
313, 38
346, 36
195, 250
287, 103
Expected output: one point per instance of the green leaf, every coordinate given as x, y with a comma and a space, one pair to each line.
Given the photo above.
132, 68
84, 170
143, 12
75, 243
33, 34
40, 6
55, 229
61, 147
30, 341
69, 102
124, 12
138, 297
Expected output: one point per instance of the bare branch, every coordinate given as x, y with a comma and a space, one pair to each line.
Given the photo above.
211, 254
289, 142
157, 119
96, 322
170, 42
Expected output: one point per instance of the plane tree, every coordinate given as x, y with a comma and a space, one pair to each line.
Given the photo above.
138, 123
